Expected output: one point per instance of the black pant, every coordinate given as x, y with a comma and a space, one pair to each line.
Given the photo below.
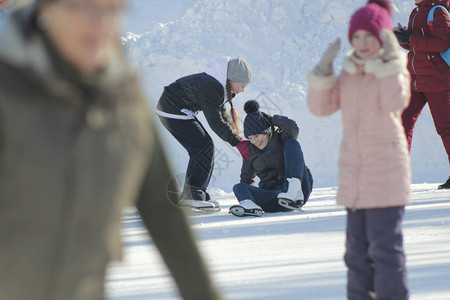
195, 139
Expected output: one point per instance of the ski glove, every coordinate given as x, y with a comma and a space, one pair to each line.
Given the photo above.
390, 46
325, 65
243, 149
403, 35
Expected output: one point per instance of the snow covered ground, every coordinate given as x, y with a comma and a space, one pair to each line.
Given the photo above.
284, 255
287, 256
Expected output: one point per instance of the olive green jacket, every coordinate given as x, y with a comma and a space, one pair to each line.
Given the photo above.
70, 161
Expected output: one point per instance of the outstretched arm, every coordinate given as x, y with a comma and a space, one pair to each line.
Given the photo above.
323, 94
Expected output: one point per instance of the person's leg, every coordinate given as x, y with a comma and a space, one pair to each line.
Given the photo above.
298, 185
307, 185
359, 264
247, 205
294, 164
266, 199
411, 113
384, 232
439, 103
242, 191
200, 147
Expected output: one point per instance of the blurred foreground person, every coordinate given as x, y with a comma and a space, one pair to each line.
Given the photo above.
5, 8
77, 145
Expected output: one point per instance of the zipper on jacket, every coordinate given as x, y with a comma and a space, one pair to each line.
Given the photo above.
354, 208
414, 52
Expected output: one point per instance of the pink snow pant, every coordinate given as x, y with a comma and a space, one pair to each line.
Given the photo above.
439, 103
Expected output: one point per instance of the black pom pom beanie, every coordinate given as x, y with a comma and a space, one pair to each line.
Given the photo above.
255, 122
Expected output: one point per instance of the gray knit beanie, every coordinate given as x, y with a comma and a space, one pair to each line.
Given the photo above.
239, 71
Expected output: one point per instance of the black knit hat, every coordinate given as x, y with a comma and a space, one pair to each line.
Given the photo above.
255, 122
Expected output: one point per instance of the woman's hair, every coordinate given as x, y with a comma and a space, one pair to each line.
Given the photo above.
233, 112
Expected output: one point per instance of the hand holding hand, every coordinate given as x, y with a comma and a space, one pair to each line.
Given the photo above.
325, 65
243, 149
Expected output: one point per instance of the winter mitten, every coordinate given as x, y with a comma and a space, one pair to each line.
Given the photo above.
392, 61
402, 35
243, 149
390, 45
325, 65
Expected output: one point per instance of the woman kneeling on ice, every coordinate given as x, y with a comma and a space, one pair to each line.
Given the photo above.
277, 159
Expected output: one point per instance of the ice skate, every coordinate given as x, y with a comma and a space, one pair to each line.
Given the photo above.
215, 202
246, 208
445, 185
198, 206
293, 197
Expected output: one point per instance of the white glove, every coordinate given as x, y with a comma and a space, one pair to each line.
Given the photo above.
325, 65
390, 45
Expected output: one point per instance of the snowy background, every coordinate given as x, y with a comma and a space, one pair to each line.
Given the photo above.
282, 40
279, 256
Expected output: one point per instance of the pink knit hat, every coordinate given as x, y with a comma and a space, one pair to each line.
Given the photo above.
373, 17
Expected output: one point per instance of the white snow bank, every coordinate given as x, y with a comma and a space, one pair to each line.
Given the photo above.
282, 40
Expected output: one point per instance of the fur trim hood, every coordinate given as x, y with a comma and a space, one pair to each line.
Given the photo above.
376, 66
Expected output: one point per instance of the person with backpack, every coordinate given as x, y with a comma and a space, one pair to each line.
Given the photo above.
374, 166
430, 73
276, 157
177, 108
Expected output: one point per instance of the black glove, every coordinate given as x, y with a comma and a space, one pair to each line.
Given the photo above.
402, 35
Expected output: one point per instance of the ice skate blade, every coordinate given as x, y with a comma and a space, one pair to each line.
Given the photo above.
240, 211
198, 207
289, 204
196, 210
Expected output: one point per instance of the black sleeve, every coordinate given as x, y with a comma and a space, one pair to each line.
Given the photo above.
211, 97
288, 127
170, 229
247, 173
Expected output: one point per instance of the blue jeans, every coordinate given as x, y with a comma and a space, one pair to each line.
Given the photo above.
374, 254
294, 167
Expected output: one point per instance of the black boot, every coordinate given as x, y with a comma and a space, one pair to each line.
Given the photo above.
446, 185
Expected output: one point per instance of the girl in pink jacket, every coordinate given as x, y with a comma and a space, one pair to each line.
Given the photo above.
374, 169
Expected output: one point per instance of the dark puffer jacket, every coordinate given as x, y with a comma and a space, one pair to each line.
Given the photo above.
429, 72
268, 164
200, 92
